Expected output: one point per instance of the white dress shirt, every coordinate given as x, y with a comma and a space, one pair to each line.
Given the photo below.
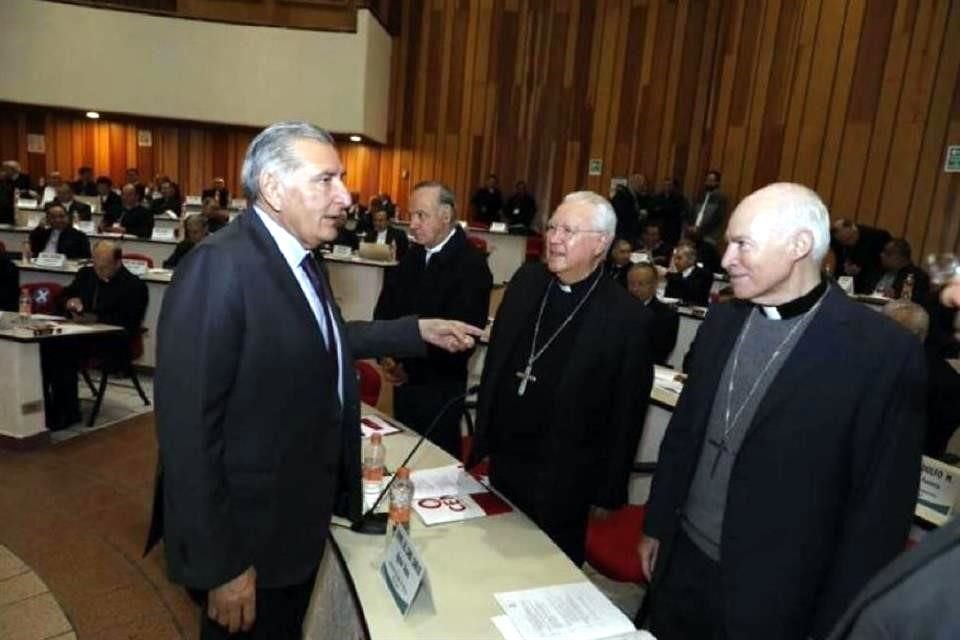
438, 248
382, 237
52, 241
294, 253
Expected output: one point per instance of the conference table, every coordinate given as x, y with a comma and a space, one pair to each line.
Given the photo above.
467, 563
31, 217
21, 380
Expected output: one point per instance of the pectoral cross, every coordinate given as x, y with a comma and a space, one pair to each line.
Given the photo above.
722, 448
525, 377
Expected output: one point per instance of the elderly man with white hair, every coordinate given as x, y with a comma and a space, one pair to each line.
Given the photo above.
788, 474
566, 380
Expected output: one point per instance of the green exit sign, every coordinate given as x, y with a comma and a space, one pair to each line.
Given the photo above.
953, 159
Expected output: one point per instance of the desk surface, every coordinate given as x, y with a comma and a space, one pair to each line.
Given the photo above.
67, 329
467, 562
160, 276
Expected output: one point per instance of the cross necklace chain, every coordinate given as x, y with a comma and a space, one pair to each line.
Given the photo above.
526, 376
728, 427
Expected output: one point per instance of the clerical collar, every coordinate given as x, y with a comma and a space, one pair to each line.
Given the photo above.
796, 306
581, 285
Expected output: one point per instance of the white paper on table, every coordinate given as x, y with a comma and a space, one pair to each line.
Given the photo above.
506, 628
447, 509
444, 481
664, 378
370, 425
576, 611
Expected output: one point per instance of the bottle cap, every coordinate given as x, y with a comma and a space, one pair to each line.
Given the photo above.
403, 473
376, 438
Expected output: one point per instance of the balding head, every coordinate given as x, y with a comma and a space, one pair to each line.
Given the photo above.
129, 196
107, 259
777, 238
910, 316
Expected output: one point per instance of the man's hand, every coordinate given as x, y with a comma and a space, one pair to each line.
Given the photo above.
393, 371
451, 335
234, 605
649, 549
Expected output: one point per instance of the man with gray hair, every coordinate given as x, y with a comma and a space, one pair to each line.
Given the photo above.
257, 406
788, 474
567, 379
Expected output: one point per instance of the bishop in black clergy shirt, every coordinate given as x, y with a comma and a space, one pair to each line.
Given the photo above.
788, 474
58, 235
858, 249
132, 218
665, 324
567, 380
257, 404
77, 210
441, 276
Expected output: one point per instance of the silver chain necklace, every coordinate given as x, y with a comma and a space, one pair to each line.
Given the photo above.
728, 426
526, 375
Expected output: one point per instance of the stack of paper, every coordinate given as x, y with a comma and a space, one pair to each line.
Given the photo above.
575, 611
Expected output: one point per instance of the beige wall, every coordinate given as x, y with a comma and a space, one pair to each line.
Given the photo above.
116, 61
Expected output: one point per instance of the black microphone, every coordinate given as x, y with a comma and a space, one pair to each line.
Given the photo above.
376, 523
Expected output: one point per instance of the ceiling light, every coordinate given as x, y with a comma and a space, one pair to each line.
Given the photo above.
93, 115
355, 138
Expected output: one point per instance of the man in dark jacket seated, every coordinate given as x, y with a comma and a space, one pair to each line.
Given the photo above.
76, 209
133, 218
219, 192
103, 293
384, 233
687, 280
110, 202
195, 228
57, 235
642, 284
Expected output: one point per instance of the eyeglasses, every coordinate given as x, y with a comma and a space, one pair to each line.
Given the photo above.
566, 231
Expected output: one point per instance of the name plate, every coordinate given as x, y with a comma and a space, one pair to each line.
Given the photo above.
846, 283
498, 227
639, 256
403, 572
50, 260
342, 251
86, 226
939, 487
160, 233
26, 203
193, 200
463, 224
136, 267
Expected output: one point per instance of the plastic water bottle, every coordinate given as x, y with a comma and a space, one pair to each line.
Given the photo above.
374, 454
26, 306
25, 252
401, 498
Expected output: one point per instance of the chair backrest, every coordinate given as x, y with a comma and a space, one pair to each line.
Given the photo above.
534, 247
478, 242
3, 249
369, 382
44, 296
139, 256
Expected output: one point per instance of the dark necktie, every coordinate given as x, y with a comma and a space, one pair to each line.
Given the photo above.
312, 269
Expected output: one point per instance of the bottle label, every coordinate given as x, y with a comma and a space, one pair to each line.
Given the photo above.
400, 515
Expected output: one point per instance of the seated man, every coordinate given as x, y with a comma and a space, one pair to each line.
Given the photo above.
359, 218
858, 249
897, 266
9, 284
687, 280
521, 208
642, 284
110, 202
658, 250
21, 181
618, 262
943, 381
57, 235
106, 293
219, 192
132, 218
216, 217
195, 228
133, 177
345, 237
76, 209
85, 185
707, 253
47, 188
384, 233
169, 200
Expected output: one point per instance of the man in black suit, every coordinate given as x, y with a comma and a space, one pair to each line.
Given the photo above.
384, 233
897, 265
77, 210
633, 202
216, 217
110, 202
133, 218
642, 284
169, 200
359, 219
442, 276
487, 202
567, 380
133, 177
195, 228
9, 284
858, 248
19, 179
257, 403
670, 210
84, 184
59, 236
708, 216
687, 280
520, 209
653, 244
218, 191
788, 474
618, 262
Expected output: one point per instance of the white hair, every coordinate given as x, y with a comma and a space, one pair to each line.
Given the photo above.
272, 152
604, 219
798, 208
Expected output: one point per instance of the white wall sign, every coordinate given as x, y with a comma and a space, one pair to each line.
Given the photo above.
36, 143
144, 138
952, 163
596, 167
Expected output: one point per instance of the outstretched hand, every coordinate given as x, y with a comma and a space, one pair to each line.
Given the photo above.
450, 335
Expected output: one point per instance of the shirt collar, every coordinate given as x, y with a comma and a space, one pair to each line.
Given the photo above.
291, 249
439, 247
688, 271
796, 306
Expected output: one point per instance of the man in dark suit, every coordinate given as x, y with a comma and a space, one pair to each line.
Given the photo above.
618, 262
567, 380
858, 248
788, 474
670, 210
20, 180
520, 209
708, 216
897, 265
442, 276
59, 236
384, 233
110, 202
219, 192
77, 210
687, 280
257, 403
216, 217
133, 177
487, 202
9, 284
653, 245
195, 228
84, 185
642, 284
359, 219
133, 218
633, 202
169, 201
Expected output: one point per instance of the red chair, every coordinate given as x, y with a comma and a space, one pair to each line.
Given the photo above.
478, 243
534, 248
369, 379
44, 296
139, 256
124, 368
